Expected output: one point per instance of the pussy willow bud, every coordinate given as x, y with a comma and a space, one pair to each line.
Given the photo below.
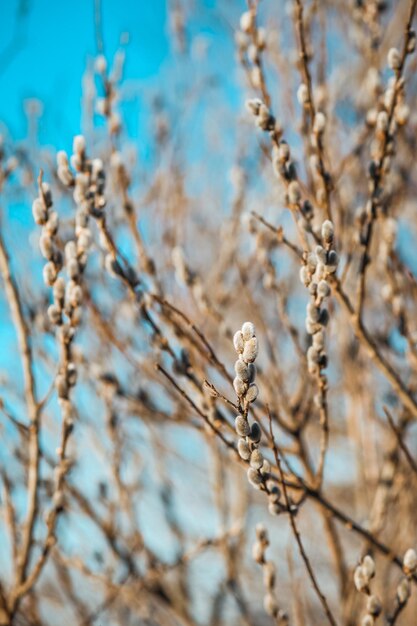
250, 351
294, 192
323, 289
368, 566
243, 449
254, 477
238, 342
248, 331
247, 21
403, 591
54, 314
319, 123
327, 232
394, 59
242, 370
242, 427
256, 459
78, 145
39, 211
59, 289
302, 94
252, 393
49, 274
239, 386
360, 579
410, 561
255, 433
254, 106
46, 246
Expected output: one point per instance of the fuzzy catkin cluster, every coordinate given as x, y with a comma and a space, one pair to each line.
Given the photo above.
246, 345
270, 600
409, 569
283, 165
66, 297
105, 105
365, 572
319, 266
362, 577
251, 43
88, 182
391, 111
47, 218
263, 116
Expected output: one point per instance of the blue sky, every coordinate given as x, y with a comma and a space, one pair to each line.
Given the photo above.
45, 46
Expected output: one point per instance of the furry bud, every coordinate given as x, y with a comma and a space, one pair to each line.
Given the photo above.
242, 426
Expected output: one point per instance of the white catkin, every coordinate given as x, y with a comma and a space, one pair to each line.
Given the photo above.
46, 246
360, 579
59, 288
254, 477
247, 21
403, 591
242, 370
294, 192
54, 314
238, 341
242, 426
327, 232
266, 467
52, 223
239, 386
321, 254
256, 459
250, 351
302, 94
39, 211
323, 289
410, 561
49, 274
70, 250
368, 567
313, 312
319, 123
252, 393
394, 59
243, 449
305, 275
382, 121
78, 145
248, 331
284, 151
273, 508
318, 340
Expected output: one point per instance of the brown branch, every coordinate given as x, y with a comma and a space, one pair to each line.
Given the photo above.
296, 532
